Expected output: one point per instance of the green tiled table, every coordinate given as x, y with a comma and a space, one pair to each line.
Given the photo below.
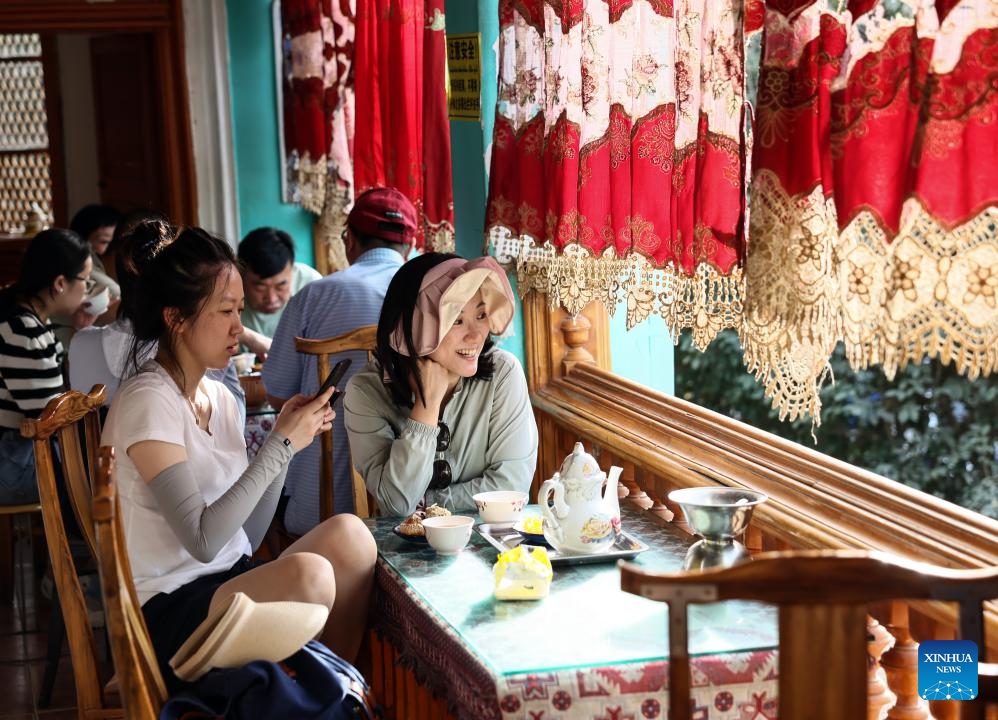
588, 650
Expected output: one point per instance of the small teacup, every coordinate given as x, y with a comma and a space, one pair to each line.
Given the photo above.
244, 362
97, 302
448, 534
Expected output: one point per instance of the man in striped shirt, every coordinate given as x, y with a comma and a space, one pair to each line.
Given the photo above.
379, 235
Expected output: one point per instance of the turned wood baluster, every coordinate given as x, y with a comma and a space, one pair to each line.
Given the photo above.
879, 696
901, 667
575, 331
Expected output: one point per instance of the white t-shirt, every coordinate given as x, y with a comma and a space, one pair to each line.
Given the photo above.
149, 406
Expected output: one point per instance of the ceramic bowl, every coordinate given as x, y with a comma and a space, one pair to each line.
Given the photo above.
244, 362
256, 394
448, 534
717, 514
499, 506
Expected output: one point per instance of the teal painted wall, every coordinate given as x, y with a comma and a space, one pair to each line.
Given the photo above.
254, 119
468, 142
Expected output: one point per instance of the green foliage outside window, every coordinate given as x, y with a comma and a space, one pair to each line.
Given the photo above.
930, 428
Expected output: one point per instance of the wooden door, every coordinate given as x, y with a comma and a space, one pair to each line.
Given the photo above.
128, 118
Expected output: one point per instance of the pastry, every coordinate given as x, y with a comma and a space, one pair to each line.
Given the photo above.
412, 525
436, 511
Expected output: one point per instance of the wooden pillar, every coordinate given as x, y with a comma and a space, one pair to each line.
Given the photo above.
879, 695
901, 667
555, 341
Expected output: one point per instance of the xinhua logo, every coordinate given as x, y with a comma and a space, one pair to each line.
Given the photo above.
947, 670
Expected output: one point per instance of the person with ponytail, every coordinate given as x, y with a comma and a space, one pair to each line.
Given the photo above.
194, 510
54, 279
101, 354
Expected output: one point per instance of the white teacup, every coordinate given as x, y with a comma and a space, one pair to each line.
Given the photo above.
448, 534
244, 362
96, 303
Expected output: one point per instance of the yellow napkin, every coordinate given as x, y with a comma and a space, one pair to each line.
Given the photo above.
523, 573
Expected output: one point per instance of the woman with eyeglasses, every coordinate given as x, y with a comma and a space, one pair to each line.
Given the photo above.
54, 279
442, 414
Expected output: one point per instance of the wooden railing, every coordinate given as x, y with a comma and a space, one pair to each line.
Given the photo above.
664, 443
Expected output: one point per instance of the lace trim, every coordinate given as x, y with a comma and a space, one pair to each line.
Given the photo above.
440, 236
930, 292
705, 303
328, 229
306, 181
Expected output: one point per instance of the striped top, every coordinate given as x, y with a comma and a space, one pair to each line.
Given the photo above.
336, 304
30, 367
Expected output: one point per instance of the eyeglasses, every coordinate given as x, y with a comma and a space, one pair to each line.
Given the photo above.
88, 283
442, 473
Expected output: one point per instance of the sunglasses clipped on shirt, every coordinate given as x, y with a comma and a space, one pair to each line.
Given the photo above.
442, 472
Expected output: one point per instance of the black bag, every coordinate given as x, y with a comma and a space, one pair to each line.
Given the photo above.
313, 684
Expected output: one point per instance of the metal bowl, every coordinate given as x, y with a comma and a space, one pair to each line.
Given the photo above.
717, 514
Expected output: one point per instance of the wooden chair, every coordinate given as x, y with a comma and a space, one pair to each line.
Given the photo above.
822, 598
140, 682
361, 339
64, 419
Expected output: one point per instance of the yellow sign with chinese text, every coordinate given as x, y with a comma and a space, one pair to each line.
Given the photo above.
464, 72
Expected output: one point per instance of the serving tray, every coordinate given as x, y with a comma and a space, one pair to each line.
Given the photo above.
502, 536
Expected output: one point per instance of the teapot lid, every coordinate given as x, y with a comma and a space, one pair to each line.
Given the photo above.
579, 463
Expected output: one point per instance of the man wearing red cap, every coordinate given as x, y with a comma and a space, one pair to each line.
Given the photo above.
380, 233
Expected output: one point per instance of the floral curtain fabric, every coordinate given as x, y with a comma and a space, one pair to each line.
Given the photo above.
318, 98
618, 157
874, 191
403, 131
365, 105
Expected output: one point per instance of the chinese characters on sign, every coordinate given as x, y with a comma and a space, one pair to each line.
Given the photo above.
464, 68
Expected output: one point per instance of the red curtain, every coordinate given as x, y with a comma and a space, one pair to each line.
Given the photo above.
618, 157
364, 105
874, 191
403, 131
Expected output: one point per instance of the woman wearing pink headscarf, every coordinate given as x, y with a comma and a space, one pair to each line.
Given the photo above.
442, 414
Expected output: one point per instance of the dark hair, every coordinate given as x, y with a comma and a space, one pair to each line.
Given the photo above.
50, 253
399, 305
91, 217
129, 221
178, 272
266, 251
135, 246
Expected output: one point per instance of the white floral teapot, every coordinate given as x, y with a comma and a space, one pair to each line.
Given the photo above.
585, 517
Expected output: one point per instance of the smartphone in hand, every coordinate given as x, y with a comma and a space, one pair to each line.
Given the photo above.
334, 377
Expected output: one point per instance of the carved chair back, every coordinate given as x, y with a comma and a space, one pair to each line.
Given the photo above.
822, 596
142, 689
362, 339
66, 419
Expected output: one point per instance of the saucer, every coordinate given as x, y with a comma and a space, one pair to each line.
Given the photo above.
531, 538
418, 539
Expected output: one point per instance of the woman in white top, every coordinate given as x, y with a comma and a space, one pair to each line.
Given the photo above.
193, 510
101, 354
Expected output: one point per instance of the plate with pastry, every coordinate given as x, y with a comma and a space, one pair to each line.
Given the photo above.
411, 528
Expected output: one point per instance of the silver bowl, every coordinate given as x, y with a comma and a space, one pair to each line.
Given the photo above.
704, 554
717, 514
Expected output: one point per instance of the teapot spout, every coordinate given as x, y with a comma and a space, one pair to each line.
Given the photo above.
611, 482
